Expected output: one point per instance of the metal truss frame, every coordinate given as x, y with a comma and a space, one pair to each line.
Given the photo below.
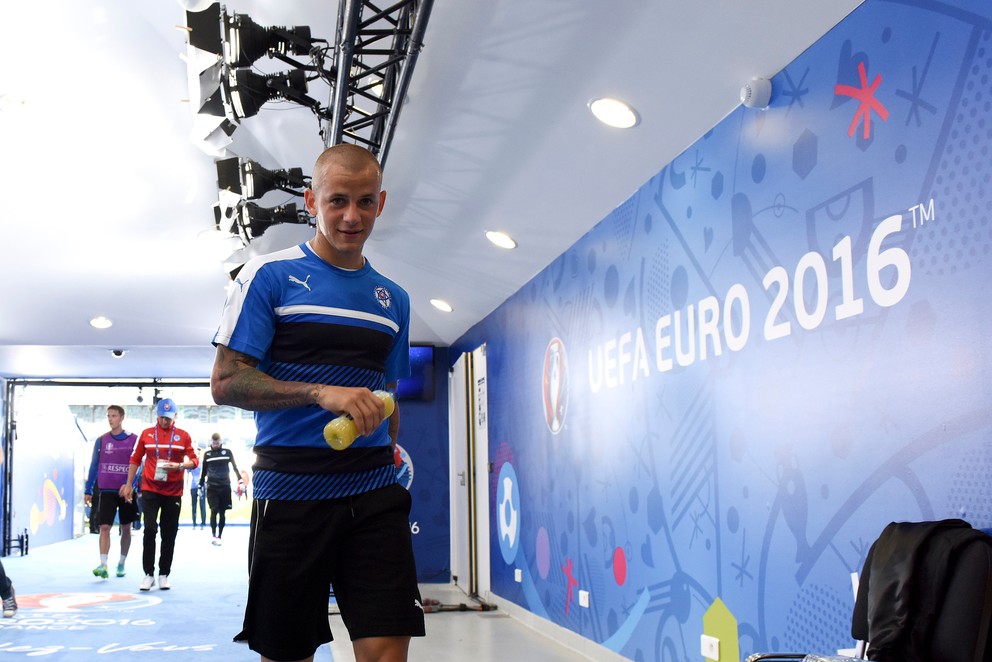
375, 52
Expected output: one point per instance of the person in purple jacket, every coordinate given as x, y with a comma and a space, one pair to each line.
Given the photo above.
108, 471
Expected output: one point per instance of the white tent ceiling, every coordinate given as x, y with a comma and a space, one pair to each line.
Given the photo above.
104, 194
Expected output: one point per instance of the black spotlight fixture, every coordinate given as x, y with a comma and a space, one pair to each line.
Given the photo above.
257, 181
240, 180
367, 68
251, 181
222, 46
247, 91
247, 41
254, 220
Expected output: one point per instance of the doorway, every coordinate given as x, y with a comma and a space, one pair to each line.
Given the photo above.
469, 479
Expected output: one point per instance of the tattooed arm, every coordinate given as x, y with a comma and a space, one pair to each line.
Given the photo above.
237, 381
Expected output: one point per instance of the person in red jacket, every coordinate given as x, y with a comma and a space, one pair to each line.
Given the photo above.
166, 452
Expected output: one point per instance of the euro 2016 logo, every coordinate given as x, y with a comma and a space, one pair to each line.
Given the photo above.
555, 386
404, 466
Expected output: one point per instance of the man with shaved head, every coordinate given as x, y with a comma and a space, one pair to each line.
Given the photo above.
307, 334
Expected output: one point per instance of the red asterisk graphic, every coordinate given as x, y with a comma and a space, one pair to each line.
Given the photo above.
572, 581
867, 101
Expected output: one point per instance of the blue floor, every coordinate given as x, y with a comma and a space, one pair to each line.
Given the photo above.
66, 613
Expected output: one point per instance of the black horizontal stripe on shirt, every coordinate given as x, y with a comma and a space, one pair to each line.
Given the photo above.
330, 344
320, 460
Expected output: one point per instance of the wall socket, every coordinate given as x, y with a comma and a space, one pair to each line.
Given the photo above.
518, 575
584, 599
709, 647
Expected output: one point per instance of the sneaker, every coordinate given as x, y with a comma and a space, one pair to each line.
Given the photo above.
101, 571
10, 604
216, 542
120, 570
163, 583
147, 583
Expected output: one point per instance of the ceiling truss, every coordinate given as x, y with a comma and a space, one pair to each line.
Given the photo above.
375, 53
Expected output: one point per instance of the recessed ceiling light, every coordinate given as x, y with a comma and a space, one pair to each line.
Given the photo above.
10, 103
501, 239
101, 322
441, 305
614, 112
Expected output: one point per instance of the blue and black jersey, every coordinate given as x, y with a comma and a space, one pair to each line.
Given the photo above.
308, 321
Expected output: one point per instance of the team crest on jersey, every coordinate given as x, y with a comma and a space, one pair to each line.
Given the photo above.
383, 297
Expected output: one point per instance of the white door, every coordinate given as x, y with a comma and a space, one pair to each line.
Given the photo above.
481, 476
469, 479
458, 477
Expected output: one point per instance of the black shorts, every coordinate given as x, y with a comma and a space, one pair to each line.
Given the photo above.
219, 496
110, 503
362, 545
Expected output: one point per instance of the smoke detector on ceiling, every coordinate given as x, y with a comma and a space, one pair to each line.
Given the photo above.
756, 93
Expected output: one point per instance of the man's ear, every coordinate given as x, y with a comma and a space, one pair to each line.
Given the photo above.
382, 202
310, 201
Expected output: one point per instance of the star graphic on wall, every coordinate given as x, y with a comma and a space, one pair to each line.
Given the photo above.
915, 95
572, 583
741, 568
796, 91
867, 102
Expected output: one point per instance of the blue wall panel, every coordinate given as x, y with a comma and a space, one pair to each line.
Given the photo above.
423, 445
778, 345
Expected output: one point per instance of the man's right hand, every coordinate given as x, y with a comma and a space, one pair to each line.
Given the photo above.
126, 492
87, 498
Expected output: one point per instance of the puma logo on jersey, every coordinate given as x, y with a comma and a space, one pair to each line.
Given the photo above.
294, 279
416, 603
